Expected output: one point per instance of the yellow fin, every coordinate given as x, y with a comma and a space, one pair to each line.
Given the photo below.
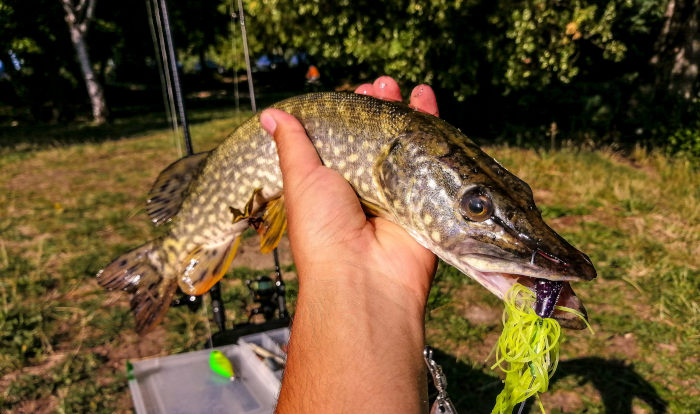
206, 265
274, 223
169, 190
255, 199
373, 209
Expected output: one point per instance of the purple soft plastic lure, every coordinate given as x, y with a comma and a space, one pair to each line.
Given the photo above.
547, 293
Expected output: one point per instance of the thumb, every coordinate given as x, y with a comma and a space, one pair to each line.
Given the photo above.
298, 156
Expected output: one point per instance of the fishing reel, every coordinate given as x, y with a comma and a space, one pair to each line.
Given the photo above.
269, 296
267, 293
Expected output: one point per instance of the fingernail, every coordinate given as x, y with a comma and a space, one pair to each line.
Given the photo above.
268, 123
417, 91
365, 89
387, 88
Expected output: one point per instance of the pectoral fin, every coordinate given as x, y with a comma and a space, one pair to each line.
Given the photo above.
170, 187
254, 201
206, 265
274, 223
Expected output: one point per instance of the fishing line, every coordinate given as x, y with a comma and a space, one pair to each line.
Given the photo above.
234, 51
249, 73
169, 66
163, 73
176, 77
166, 73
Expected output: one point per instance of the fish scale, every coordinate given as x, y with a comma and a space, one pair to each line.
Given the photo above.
406, 166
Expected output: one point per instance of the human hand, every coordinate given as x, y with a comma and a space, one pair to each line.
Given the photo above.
328, 229
363, 286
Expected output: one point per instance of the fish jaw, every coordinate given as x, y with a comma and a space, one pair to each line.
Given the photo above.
498, 275
425, 178
499, 283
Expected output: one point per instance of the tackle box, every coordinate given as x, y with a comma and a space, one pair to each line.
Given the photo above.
273, 341
185, 383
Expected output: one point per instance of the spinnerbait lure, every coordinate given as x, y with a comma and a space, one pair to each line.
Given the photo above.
528, 349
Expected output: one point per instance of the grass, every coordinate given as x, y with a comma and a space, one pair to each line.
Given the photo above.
69, 207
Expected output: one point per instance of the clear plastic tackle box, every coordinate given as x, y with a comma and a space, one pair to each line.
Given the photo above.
185, 383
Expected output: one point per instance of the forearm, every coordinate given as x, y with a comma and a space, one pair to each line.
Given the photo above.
356, 346
357, 337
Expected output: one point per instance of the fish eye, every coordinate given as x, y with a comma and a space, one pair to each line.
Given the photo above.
476, 206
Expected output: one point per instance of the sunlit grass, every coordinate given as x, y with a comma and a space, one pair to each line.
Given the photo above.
67, 210
637, 218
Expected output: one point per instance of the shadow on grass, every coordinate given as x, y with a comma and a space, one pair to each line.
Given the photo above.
127, 122
617, 382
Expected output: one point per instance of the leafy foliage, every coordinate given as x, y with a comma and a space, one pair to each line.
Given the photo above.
506, 69
503, 69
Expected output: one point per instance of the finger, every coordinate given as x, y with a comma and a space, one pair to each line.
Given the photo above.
423, 99
298, 156
386, 88
365, 89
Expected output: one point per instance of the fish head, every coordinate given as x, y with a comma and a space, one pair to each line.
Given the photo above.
474, 214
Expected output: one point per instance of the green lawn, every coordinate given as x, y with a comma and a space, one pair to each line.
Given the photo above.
67, 209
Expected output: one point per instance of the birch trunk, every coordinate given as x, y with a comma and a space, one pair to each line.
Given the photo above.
78, 17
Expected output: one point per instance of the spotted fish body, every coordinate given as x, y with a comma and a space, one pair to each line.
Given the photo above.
406, 166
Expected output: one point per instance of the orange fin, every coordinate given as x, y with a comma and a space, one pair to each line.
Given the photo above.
169, 190
274, 223
139, 272
206, 265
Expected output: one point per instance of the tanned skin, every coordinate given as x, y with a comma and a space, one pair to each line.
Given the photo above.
358, 333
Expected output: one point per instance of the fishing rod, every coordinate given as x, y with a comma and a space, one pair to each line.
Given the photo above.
175, 107
176, 78
218, 310
246, 54
163, 69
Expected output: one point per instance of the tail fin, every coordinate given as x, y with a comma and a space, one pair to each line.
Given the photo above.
140, 272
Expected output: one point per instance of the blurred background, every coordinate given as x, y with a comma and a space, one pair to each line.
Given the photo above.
603, 71
594, 103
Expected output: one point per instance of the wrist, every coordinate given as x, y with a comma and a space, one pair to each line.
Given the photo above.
370, 290
361, 339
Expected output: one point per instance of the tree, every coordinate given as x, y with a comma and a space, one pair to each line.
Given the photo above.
43, 76
519, 43
678, 48
78, 16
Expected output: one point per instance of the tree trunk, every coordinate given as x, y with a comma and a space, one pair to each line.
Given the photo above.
678, 48
78, 18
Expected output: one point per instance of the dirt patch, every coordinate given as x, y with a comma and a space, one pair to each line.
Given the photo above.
131, 346
249, 254
478, 314
624, 346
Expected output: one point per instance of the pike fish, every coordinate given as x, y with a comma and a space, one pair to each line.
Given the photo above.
409, 167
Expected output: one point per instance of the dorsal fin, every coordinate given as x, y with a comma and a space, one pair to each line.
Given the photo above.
168, 191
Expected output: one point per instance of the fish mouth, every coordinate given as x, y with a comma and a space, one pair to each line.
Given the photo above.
499, 276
